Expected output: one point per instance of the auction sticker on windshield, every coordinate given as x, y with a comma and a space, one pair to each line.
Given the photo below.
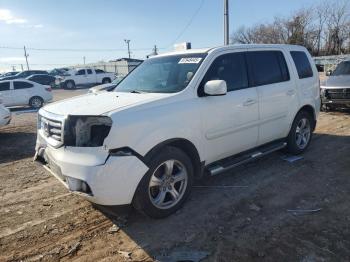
190, 60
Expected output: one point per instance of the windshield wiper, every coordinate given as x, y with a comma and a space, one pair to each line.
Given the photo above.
137, 92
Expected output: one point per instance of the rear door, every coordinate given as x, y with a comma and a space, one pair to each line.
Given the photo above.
90, 77
269, 73
22, 92
5, 91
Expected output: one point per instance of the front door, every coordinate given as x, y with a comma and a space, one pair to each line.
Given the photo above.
230, 121
5, 93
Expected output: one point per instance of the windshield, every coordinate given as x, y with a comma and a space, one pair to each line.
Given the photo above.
168, 74
342, 69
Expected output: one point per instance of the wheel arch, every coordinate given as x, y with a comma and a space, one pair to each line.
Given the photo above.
186, 146
311, 110
69, 80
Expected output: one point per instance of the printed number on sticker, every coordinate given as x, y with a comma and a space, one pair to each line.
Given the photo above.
190, 60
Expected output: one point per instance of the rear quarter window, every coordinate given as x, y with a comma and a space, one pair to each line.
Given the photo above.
302, 64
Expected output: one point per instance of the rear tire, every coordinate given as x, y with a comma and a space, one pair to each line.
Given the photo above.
36, 102
166, 185
300, 133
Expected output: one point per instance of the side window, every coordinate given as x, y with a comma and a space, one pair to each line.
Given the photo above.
4, 86
21, 85
267, 67
228, 67
80, 72
99, 71
89, 71
302, 64
35, 78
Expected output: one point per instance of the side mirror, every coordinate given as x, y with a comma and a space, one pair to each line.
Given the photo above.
329, 72
215, 88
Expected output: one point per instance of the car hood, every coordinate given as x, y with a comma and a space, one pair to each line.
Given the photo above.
100, 103
337, 81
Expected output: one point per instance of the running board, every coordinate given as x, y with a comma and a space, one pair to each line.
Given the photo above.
240, 159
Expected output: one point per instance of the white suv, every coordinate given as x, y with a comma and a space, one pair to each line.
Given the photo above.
177, 117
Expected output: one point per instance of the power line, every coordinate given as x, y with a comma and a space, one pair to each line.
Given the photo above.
73, 49
189, 23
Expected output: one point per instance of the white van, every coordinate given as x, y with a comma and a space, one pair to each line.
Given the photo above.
22, 92
180, 116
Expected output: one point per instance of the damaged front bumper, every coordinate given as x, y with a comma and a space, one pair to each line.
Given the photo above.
335, 96
92, 172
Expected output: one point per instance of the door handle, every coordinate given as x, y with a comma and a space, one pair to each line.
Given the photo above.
249, 102
290, 92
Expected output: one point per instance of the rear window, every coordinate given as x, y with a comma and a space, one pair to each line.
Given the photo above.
302, 64
21, 85
4, 86
267, 67
99, 71
89, 71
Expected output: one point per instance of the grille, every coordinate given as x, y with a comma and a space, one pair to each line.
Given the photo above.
52, 128
338, 93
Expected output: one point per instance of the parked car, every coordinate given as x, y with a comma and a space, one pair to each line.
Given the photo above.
107, 87
23, 92
5, 114
84, 76
59, 71
24, 74
43, 79
8, 74
335, 91
180, 116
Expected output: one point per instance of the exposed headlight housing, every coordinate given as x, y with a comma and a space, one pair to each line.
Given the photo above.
86, 131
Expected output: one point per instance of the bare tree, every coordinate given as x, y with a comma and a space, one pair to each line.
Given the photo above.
323, 29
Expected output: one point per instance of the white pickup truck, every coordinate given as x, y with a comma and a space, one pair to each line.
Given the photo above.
84, 76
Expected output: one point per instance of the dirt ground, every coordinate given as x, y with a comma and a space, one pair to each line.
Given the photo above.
251, 213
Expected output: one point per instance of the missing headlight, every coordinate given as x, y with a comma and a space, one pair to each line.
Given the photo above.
86, 131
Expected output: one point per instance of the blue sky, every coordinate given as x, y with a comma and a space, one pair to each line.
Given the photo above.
104, 24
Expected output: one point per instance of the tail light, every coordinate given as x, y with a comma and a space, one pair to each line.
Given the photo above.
49, 89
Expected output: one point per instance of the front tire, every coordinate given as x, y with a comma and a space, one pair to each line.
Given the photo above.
300, 133
106, 80
36, 102
70, 85
166, 185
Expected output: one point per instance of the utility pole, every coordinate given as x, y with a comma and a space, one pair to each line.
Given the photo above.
226, 23
127, 41
26, 57
84, 59
155, 50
